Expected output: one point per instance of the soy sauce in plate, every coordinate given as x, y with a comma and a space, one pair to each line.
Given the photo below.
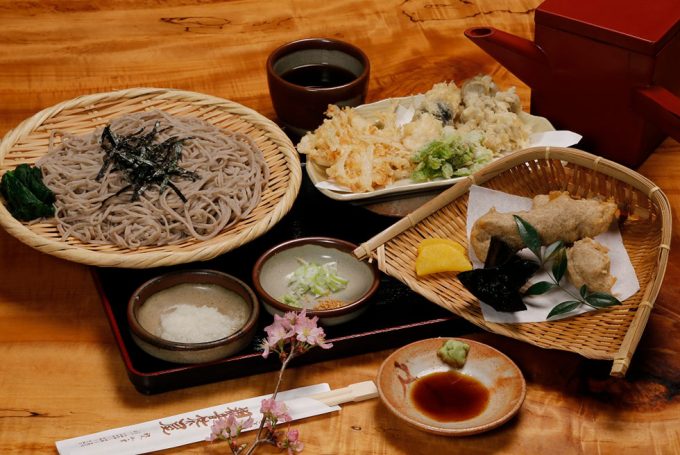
318, 76
449, 396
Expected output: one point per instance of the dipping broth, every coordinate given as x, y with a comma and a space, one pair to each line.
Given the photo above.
449, 396
194, 313
319, 75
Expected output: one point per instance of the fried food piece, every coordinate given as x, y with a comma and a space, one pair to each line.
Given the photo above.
588, 263
555, 216
443, 101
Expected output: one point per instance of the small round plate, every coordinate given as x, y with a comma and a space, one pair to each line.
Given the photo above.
489, 366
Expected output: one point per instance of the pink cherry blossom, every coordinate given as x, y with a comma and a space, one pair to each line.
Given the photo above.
307, 331
228, 428
275, 410
264, 345
278, 331
290, 318
291, 442
218, 430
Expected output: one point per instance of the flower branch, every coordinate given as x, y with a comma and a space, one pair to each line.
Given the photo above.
289, 336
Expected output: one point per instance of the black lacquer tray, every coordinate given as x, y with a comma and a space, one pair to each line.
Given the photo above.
396, 317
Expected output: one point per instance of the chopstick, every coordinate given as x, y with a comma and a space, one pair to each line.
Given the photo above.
359, 391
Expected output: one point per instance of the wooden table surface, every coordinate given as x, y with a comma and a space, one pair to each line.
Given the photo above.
61, 374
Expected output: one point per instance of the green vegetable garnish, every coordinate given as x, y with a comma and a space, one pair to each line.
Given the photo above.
452, 156
310, 281
454, 353
27, 196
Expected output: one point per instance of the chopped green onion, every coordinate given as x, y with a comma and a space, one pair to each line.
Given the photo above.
311, 281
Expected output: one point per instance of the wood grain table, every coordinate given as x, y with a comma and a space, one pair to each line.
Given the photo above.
61, 374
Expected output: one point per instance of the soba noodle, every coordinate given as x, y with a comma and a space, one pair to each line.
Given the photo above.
232, 175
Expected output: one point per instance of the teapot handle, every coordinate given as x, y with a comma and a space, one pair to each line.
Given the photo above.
660, 106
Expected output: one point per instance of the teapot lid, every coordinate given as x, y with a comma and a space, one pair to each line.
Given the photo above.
643, 27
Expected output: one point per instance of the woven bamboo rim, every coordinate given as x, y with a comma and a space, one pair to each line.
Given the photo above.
29, 141
606, 334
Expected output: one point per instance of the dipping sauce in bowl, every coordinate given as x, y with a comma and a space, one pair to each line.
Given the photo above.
431, 395
449, 396
319, 75
307, 75
193, 316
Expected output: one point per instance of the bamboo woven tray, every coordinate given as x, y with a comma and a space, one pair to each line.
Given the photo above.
29, 141
612, 334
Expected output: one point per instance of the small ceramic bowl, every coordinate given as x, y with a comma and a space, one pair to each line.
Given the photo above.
301, 81
193, 316
271, 284
494, 370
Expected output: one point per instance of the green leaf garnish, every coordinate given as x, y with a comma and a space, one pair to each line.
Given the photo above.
551, 249
529, 235
559, 266
556, 253
564, 307
601, 300
540, 288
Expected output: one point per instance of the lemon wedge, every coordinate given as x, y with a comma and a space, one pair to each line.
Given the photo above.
436, 257
440, 241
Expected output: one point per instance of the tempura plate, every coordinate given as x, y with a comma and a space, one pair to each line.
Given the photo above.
317, 173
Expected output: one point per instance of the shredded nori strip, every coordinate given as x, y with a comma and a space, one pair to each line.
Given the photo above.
143, 161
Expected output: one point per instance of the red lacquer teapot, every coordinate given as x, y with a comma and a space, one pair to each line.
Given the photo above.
606, 69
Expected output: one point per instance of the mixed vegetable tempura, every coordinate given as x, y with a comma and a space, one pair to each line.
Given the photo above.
452, 131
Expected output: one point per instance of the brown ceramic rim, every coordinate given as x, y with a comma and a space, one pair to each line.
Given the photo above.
329, 242
463, 431
308, 43
207, 276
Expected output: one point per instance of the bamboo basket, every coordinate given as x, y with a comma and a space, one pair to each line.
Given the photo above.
611, 334
29, 141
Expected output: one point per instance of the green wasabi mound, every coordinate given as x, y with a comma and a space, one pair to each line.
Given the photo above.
454, 353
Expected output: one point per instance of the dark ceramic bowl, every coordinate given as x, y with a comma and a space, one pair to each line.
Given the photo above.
300, 105
208, 288
271, 269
